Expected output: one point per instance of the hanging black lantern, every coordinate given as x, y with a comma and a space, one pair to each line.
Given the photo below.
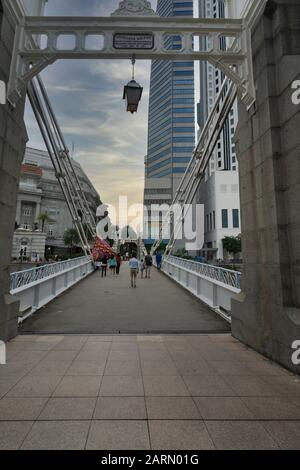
132, 93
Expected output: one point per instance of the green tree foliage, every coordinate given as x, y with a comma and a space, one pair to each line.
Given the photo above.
232, 245
45, 218
182, 253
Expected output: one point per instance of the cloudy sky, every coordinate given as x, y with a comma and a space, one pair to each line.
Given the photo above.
110, 144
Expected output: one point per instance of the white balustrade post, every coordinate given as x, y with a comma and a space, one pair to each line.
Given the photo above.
36, 296
215, 296
66, 280
53, 290
198, 286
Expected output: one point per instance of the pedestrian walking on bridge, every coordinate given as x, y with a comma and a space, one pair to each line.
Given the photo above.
103, 266
119, 262
142, 267
148, 265
112, 264
134, 269
158, 260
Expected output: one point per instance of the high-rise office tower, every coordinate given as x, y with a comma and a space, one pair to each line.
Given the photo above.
171, 127
219, 191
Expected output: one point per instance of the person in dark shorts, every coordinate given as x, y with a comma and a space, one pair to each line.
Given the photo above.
103, 266
148, 265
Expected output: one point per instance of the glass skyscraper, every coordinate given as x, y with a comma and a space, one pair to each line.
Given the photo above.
171, 126
171, 131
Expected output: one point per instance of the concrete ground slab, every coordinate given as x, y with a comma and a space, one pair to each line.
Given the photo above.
121, 386
78, 386
34, 386
222, 408
200, 406
47, 368
285, 433
86, 368
166, 408
122, 367
26, 409
177, 435
6, 384
272, 408
13, 433
68, 409
248, 386
240, 435
120, 408
208, 385
118, 435
57, 435
162, 386
159, 368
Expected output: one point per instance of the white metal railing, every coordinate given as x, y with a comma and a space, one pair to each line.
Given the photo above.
213, 285
227, 276
22, 278
38, 286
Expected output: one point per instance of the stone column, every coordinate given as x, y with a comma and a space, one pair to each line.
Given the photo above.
37, 211
266, 316
13, 138
18, 213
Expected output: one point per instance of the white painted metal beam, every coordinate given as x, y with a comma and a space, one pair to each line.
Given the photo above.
235, 62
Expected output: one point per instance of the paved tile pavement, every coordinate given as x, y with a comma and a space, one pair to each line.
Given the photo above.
145, 392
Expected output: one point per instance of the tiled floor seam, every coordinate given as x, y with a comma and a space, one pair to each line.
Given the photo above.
97, 398
147, 416
21, 378
210, 435
28, 372
244, 420
63, 376
84, 343
272, 437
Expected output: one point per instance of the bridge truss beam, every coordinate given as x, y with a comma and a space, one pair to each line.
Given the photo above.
235, 60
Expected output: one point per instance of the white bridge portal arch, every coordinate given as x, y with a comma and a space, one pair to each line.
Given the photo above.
134, 29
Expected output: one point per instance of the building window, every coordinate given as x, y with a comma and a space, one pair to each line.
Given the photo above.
214, 220
27, 211
235, 218
224, 218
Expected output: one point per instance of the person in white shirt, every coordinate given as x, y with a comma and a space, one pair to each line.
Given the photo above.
133, 267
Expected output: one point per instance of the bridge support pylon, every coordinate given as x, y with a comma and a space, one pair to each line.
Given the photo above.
13, 138
266, 315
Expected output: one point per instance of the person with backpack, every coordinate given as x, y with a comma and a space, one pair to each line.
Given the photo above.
148, 265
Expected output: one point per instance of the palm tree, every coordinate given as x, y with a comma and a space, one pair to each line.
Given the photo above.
45, 218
